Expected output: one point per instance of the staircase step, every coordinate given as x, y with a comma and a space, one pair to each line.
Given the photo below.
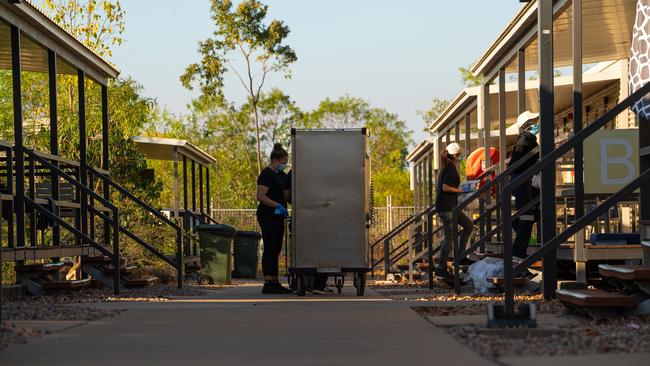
139, 282
109, 270
646, 245
48, 267
626, 273
66, 285
596, 299
500, 281
97, 259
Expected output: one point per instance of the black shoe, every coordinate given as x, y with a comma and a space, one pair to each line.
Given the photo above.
443, 274
274, 288
281, 289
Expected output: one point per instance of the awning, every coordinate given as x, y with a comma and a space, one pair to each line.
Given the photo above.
596, 79
40, 33
158, 148
607, 33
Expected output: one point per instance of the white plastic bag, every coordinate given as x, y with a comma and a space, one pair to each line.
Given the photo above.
536, 181
479, 272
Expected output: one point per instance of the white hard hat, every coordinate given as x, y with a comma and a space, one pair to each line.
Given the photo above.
453, 148
525, 118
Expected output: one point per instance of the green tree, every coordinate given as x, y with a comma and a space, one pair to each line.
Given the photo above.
387, 144
99, 24
468, 78
438, 105
241, 31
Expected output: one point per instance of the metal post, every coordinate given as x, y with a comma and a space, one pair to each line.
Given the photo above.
106, 162
468, 136
487, 224
116, 253
186, 222
644, 196
18, 136
386, 258
546, 97
179, 246
430, 220
201, 190
54, 136
457, 132
502, 119
521, 80
83, 147
207, 190
577, 126
193, 179
32, 195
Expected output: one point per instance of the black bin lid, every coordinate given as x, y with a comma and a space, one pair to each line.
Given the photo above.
220, 229
249, 234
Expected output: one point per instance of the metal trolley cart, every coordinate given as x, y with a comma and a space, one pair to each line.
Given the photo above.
331, 207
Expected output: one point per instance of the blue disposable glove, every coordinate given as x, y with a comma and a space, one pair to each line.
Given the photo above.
281, 210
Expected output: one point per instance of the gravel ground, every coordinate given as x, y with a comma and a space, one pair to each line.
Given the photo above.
620, 335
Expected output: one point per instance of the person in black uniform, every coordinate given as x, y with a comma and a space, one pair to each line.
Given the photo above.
446, 200
526, 141
271, 212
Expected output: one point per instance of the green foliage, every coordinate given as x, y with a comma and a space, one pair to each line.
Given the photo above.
430, 115
388, 142
241, 31
468, 78
99, 24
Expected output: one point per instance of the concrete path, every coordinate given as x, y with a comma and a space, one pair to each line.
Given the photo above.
238, 326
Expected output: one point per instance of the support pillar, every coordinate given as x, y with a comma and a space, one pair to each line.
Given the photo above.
18, 136
54, 135
578, 153
83, 149
546, 97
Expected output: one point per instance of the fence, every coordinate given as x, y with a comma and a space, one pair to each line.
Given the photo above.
384, 219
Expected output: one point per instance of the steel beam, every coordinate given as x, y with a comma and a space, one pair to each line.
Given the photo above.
18, 136
546, 98
83, 149
54, 134
106, 157
502, 119
521, 81
468, 136
577, 126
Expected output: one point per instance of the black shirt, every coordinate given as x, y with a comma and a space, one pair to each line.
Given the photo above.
526, 142
446, 201
277, 183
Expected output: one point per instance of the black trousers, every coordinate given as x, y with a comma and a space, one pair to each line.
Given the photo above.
273, 236
524, 224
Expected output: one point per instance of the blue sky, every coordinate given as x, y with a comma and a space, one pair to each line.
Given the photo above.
396, 54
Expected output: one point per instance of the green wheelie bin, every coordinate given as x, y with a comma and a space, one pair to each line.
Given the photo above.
247, 245
216, 243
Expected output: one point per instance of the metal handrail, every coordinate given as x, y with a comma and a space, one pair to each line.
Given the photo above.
115, 255
552, 244
133, 198
178, 262
403, 225
501, 177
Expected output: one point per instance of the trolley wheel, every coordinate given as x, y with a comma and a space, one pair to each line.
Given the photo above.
291, 278
339, 285
301, 284
360, 283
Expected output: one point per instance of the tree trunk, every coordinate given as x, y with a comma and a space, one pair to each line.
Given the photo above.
257, 138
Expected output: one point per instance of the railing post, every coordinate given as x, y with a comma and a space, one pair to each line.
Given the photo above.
116, 253
506, 207
179, 258
455, 242
430, 248
386, 258
411, 240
